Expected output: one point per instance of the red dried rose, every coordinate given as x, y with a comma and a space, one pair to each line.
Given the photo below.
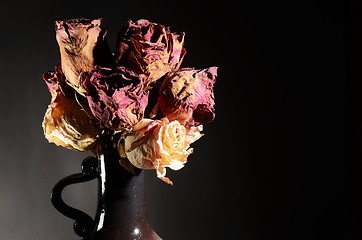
116, 97
149, 49
82, 45
187, 96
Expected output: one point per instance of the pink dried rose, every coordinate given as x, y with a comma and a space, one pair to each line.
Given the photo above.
116, 97
68, 122
157, 144
187, 96
149, 49
55, 81
82, 45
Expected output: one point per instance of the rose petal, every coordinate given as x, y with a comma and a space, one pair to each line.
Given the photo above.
149, 49
82, 46
187, 96
116, 97
157, 144
70, 125
56, 82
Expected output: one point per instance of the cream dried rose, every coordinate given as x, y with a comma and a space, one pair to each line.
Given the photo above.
68, 125
68, 121
157, 144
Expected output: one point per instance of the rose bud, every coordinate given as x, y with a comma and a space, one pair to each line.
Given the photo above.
157, 144
69, 123
116, 97
149, 49
82, 45
187, 96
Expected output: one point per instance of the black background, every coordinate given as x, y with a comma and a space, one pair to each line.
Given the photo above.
274, 164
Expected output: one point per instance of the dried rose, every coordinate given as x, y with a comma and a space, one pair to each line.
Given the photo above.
82, 45
149, 49
187, 96
55, 81
157, 144
116, 97
68, 121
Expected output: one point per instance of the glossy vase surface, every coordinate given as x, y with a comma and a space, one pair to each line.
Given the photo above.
121, 213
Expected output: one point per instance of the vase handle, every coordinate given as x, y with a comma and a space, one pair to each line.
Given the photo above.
84, 224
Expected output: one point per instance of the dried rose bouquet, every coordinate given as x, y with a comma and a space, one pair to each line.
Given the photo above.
139, 95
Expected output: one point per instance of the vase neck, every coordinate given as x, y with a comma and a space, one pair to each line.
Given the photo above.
121, 208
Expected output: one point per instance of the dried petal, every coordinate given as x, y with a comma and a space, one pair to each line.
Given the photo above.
68, 121
116, 97
82, 46
157, 144
149, 49
56, 82
187, 96
70, 125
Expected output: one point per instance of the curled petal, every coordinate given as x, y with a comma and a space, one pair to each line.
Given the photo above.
82, 46
157, 144
56, 82
70, 125
149, 49
116, 97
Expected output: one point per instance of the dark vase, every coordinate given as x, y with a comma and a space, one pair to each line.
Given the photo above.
121, 213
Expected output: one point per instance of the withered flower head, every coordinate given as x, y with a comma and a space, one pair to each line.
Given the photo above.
55, 81
116, 97
82, 46
69, 125
187, 96
157, 144
68, 121
99, 99
149, 49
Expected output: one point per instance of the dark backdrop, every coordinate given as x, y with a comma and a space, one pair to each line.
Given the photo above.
272, 165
